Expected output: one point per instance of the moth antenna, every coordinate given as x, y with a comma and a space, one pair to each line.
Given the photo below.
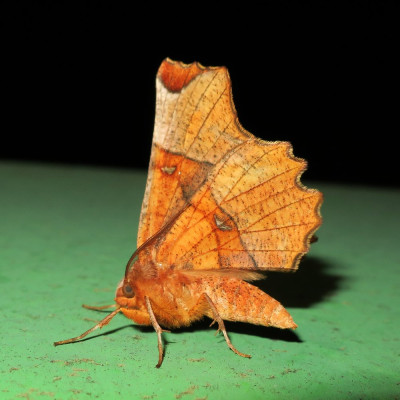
153, 238
102, 323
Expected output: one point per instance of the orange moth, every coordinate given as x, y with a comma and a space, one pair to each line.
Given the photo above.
220, 208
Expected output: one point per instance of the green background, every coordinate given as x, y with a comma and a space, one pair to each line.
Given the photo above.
66, 234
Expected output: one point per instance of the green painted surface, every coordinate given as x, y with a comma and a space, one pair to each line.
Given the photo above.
65, 236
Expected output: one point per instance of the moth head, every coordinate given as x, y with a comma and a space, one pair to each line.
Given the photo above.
127, 289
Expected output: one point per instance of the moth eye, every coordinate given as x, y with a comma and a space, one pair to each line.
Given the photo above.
128, 291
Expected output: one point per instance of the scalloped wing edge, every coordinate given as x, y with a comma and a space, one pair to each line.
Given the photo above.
171, 68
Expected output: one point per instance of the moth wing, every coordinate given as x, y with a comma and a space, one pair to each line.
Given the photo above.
230, 200
251, 213
195, 126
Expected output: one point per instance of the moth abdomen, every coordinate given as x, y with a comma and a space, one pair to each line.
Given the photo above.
237, 300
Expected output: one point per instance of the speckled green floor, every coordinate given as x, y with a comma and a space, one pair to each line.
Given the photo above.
65, 236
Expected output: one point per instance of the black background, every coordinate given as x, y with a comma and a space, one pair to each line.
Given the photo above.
79, 79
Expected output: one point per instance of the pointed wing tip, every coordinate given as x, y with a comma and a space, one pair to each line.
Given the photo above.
175, 75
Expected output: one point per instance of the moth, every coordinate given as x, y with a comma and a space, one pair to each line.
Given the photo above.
220, 208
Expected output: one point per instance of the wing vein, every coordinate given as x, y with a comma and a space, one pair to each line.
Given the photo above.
216, 140
237, 234
190, 218
195, 109
244, 173
213, 210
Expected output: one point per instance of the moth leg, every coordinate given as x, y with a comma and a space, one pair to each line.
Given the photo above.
102, 323
158, 329
97, 308
221, 327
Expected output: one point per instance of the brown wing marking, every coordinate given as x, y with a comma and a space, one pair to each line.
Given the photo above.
175, 76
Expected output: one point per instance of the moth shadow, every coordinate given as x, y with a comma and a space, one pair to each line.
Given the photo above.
286, 335
311, 284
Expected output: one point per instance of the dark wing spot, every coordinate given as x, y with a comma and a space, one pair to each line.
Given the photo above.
168, 170
221, 224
